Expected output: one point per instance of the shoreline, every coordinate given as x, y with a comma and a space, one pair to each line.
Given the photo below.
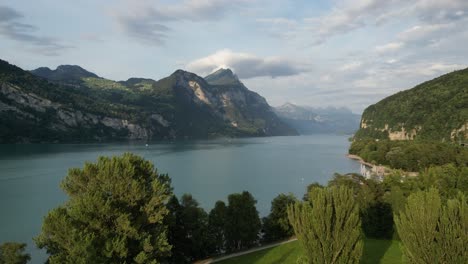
386, 169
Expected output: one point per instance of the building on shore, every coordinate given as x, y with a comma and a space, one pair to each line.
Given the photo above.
370, 171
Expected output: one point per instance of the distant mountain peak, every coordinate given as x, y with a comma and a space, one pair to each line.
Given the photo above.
63, 73
222, 77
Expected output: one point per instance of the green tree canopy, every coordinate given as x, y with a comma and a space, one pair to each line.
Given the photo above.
13, 253
243, 223
276, 226
328, 226
217, 224
433, 231
115, 214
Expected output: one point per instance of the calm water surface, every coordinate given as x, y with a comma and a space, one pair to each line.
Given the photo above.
210, 170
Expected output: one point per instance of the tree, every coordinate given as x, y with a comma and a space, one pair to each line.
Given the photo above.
276, 226
432, 231
243, 223
217, 224
328, 226
176, 232
188, 230
115, 214
310, 187
13, 253
195, 224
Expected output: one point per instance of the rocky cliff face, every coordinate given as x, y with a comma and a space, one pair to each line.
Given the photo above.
31, 110
434, 110
183, 105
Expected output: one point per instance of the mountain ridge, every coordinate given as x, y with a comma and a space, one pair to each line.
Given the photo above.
310, 120
87, 107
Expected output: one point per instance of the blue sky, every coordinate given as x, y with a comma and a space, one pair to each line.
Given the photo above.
319, 53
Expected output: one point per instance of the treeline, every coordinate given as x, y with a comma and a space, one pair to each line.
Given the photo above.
410, 155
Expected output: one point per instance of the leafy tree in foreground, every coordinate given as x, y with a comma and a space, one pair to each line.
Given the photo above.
432, 231
243, 223
13, 253
328, 226
276, 226
115, 214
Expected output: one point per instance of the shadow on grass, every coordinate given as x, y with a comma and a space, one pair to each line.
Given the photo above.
374, 250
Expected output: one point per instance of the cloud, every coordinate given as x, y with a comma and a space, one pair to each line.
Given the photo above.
246, 65
347, 16
350, 15
148, 22
351, 66
390, 47
26, 33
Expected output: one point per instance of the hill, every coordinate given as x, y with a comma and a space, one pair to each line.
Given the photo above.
71, 104
434, 110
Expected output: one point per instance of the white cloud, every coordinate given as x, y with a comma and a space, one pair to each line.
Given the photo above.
246, 65
351, 66
390, 47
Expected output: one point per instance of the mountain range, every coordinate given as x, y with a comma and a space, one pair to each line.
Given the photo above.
310, 120
71, 104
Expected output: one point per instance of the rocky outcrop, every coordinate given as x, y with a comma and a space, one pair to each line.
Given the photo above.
400, 133
63, 119
460, 133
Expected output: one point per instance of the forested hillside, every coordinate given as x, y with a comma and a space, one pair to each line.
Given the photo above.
434, 110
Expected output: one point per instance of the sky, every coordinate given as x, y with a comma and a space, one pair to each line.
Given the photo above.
318, 53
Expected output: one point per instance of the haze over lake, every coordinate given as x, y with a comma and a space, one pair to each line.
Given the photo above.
30, 175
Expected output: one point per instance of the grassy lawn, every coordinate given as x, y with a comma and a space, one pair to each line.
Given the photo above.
375, 251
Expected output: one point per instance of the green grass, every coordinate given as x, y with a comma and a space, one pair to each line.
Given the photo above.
381, 251
375, 251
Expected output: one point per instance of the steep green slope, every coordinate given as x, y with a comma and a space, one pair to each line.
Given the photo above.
434, 110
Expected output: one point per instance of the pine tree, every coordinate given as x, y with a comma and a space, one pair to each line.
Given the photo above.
432, 231
328, 226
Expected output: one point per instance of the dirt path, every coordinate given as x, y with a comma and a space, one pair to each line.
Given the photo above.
216, 259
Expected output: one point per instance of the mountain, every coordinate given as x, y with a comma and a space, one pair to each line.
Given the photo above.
244, 109
434, 110
222, 77
79, 106
309, 120
64, 73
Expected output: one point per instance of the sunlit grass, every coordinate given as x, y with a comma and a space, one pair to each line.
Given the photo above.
375, 251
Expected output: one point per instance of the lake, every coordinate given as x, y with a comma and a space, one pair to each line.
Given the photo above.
210, 170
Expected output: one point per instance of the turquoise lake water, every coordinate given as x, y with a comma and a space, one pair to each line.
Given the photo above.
210, 170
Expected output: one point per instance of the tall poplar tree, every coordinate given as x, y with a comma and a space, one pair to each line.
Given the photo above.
328, 226
433, 231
